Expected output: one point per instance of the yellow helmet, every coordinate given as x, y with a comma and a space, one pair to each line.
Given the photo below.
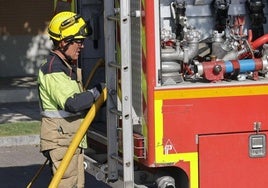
68, 26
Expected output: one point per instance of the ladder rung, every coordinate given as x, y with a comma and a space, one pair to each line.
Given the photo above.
116, 65
117, 158
114, 18
115, 111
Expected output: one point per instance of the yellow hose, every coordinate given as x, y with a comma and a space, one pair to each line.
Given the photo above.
77, 139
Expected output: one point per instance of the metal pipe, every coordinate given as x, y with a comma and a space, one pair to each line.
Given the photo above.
77, 139
180, 54
215, 70
252, 46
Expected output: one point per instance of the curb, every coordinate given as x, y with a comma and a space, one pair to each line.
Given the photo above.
19, 140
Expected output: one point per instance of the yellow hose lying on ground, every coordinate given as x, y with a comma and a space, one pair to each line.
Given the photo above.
77, 139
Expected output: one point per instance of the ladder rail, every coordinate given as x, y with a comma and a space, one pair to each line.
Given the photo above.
111, 82
126, 80
124, 65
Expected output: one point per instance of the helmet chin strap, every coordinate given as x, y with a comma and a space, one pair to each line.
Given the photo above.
63, 51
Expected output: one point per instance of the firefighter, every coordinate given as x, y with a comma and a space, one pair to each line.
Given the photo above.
62, 99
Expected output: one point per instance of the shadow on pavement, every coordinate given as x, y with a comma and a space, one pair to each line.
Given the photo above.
21, 111
20, 177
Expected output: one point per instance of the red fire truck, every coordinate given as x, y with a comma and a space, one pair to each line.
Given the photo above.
187, 92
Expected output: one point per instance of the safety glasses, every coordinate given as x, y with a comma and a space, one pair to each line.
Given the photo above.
78, 41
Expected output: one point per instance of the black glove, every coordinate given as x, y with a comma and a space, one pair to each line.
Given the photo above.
97, 90
100, 87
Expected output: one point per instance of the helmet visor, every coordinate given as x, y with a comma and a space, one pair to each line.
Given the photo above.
82, 33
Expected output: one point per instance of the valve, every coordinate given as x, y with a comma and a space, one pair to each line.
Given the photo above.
165, 182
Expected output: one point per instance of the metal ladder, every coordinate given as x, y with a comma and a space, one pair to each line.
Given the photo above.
112, 17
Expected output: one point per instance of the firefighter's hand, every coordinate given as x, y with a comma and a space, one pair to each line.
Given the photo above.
97, 89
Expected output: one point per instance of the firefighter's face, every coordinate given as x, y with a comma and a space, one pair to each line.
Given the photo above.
74, 49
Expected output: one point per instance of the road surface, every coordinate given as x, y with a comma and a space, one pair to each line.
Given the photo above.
19, 164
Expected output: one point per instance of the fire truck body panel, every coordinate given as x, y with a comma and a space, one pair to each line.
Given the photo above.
184, 120
198, 95
187, 115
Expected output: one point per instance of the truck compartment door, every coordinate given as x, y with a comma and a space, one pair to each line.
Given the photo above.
233, 160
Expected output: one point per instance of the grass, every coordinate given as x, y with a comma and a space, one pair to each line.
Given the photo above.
20, 128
